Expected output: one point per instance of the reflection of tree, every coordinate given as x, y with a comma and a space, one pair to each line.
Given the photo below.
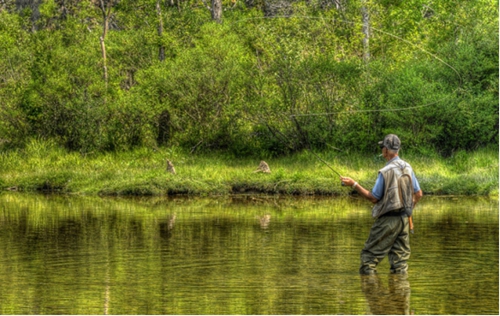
167, 226
382, 301
106, 281
54, 249
107, 290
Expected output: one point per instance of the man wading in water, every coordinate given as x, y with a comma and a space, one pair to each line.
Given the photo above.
394, 195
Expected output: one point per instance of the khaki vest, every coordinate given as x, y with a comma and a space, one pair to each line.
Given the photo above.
393, 199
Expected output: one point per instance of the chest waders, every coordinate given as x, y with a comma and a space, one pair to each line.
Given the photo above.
389, 235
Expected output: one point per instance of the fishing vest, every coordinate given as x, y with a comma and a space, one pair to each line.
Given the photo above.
398, 189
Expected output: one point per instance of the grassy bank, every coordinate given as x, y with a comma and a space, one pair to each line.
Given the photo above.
42, 167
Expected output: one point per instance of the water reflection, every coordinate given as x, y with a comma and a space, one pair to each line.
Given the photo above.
264, 220
73, 255
391, 300
166, 226
107, 291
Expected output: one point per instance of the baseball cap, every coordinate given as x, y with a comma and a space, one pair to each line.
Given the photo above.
390, 142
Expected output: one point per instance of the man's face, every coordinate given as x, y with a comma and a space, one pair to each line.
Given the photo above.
384, 152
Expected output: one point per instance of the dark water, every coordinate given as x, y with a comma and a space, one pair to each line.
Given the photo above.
240, 255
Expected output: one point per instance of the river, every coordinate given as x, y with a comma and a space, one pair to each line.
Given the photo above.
239, 255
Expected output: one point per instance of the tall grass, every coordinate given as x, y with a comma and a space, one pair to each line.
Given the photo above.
43, 166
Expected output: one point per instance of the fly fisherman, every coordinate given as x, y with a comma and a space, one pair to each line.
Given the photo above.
394, 195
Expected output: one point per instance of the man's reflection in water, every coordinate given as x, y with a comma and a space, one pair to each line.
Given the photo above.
382, 301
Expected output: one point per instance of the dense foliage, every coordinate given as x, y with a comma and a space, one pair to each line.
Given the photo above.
273, 77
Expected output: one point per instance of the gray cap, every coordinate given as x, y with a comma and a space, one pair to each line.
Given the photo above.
390, 142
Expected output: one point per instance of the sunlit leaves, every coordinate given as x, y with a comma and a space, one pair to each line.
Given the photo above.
235, 85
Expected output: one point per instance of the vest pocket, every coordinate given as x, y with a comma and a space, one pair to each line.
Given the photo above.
393, 201
389, 202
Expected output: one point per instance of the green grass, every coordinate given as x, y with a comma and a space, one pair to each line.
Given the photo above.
45, 167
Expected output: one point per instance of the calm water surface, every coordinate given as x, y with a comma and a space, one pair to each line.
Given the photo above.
239, 255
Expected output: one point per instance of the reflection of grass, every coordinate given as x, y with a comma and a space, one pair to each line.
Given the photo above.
43, 167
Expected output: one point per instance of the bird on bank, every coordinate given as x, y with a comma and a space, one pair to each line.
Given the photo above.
170, 167
263, 167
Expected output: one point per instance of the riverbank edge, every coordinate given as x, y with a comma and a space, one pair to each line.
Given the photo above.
143, 172
234, 193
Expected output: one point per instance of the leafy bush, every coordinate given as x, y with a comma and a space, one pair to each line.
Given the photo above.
256, 84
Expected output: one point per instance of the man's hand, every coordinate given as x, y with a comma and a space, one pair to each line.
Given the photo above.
362, 191
416, 197
347, 181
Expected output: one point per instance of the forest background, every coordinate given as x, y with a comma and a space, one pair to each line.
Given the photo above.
248, 78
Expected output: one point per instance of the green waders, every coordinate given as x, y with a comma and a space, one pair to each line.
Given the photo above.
389, 235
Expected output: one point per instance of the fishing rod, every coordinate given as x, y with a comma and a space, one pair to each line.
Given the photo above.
326, 164
286, 141
308, 146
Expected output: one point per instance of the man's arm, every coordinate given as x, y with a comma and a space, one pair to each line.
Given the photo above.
416, 197
362, 191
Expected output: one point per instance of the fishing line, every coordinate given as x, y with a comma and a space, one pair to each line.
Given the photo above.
358, 111
356, 23
364, 111
377, 30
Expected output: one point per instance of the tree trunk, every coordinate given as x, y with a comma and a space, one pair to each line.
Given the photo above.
217, 10
106, 12
104, 66
366, 31
164, 129
161, 52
